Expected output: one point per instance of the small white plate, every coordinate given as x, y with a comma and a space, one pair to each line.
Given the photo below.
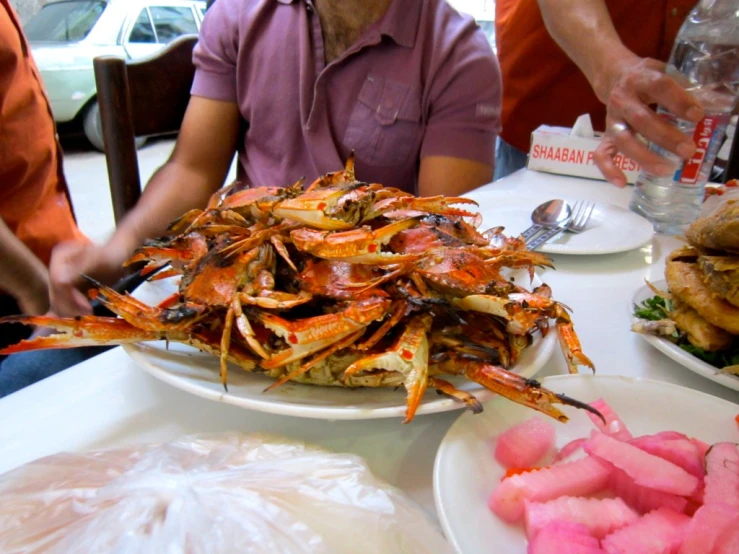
196, 372
611, 229
466, 472
676, 353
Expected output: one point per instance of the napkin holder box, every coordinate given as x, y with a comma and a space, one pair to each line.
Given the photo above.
555, 150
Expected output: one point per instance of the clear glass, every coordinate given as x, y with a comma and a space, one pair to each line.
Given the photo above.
64, 21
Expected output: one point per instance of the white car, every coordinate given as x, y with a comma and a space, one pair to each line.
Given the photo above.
65, 36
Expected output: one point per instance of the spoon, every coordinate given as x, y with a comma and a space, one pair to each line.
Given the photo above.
554, 213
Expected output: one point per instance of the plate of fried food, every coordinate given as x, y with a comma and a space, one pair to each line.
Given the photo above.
693, 315
323, 301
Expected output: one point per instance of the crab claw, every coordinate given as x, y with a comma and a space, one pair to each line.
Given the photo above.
144, 316
83, 331
307, 336
409, 357
445, 387
361, 245
441, 205
526, 392
336, 177
331, 208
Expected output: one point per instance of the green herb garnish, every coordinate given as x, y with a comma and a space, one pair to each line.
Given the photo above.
653, 309
656, 308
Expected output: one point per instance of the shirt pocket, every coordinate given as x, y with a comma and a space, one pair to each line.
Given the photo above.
385, 125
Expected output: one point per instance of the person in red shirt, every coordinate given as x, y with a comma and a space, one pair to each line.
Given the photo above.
563, 58
35, 208
35, 211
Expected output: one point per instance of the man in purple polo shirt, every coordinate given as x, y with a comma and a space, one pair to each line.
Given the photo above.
410, 86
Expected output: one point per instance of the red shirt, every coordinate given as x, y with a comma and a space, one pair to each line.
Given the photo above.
541, 85
34, 200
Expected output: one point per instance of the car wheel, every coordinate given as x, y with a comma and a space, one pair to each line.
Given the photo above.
93, 128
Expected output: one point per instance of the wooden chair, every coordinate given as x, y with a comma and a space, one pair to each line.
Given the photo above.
141, 98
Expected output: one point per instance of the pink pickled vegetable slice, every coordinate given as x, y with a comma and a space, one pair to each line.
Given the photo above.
614, 426
728, 542
722, 475
578, 478
658, 532
706, 527
702, 447
600, 516
568, 449
564, 538
525, 444
681, 451
646, 469
643, 499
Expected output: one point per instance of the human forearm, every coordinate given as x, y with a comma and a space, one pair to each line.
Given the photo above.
22, 274
173, 190
584, 30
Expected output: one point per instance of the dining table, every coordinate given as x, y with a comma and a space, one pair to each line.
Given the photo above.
109, 401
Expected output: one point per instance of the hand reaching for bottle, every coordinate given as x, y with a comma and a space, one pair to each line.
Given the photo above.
631, 121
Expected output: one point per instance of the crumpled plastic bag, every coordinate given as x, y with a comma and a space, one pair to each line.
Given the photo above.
209, 494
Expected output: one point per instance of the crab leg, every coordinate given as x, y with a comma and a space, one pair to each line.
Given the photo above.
307, 336
445, 387
526, 392
408, 356
225, 343
273, 300
245, 329
570, 345
361, 245
441, 205
344, 343
83, 331
396, 315
145, 317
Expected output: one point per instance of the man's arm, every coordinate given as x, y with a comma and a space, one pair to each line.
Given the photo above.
197, 168
451, 176
626, 83
22, 274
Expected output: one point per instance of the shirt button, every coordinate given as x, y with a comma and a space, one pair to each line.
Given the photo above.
674, 12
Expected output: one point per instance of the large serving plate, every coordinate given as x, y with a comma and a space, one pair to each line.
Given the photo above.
197, 372
674, 352
466, 472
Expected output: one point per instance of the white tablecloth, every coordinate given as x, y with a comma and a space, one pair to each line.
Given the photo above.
108, 401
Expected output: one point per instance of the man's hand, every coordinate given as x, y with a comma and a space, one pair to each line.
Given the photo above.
70, 262
628, 98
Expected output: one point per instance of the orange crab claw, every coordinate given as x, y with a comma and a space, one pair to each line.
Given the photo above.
83, 331
310, 335
445, 387
526, 392
361, 245
408, 356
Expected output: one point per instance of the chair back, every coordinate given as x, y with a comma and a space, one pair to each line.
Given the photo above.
140, 98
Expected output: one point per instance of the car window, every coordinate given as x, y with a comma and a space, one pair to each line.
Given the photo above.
142, 31
202, 12
64, 21
170, 22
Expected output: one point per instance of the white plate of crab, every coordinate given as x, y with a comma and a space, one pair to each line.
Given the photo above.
197, 372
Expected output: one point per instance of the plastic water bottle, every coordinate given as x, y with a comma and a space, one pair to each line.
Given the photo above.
705, 59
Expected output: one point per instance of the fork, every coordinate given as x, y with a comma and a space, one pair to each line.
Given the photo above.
581, 213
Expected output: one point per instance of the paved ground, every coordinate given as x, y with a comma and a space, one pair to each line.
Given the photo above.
87, 175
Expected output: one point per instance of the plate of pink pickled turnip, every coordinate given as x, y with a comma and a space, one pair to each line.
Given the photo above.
660, 474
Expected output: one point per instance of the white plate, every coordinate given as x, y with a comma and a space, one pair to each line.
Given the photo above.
466, 472
676, 353
196, 372
611, 228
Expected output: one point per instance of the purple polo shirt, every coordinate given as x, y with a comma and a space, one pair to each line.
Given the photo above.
421, 81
